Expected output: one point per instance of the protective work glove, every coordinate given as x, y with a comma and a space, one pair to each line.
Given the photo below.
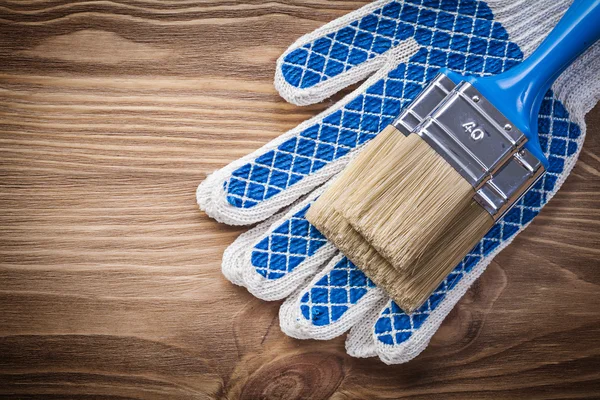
401, 45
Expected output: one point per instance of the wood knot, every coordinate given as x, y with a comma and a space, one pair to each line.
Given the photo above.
301, 376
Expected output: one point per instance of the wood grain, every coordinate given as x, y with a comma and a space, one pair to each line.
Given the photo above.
111, 112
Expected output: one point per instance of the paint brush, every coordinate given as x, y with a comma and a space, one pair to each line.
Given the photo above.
424, 192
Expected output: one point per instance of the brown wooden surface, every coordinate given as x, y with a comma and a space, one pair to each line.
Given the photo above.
111, 112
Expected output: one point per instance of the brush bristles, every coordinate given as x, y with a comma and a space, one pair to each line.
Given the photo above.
409, 291
331, 223
358, 250
402, 215
346, 239
368, 158
442, 256
403, 202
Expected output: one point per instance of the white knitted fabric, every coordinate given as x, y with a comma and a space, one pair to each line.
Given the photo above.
284, 257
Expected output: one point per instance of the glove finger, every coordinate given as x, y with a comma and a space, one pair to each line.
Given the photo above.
335, 299
343, 52
234, 261
274, 258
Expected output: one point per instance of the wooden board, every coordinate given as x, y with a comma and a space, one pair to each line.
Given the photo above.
111, 113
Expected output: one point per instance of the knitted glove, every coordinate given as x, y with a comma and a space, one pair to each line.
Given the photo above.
401, 45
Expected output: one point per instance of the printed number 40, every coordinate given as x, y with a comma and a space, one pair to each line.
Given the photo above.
475, 132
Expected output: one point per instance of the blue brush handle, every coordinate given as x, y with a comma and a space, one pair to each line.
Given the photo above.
518, 92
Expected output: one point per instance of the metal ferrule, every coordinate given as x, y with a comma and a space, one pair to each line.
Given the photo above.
506, 186
476, 139
424, 104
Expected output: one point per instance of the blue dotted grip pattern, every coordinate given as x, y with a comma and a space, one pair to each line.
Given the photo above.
286, 247
459, 35
295, 240
329, 299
